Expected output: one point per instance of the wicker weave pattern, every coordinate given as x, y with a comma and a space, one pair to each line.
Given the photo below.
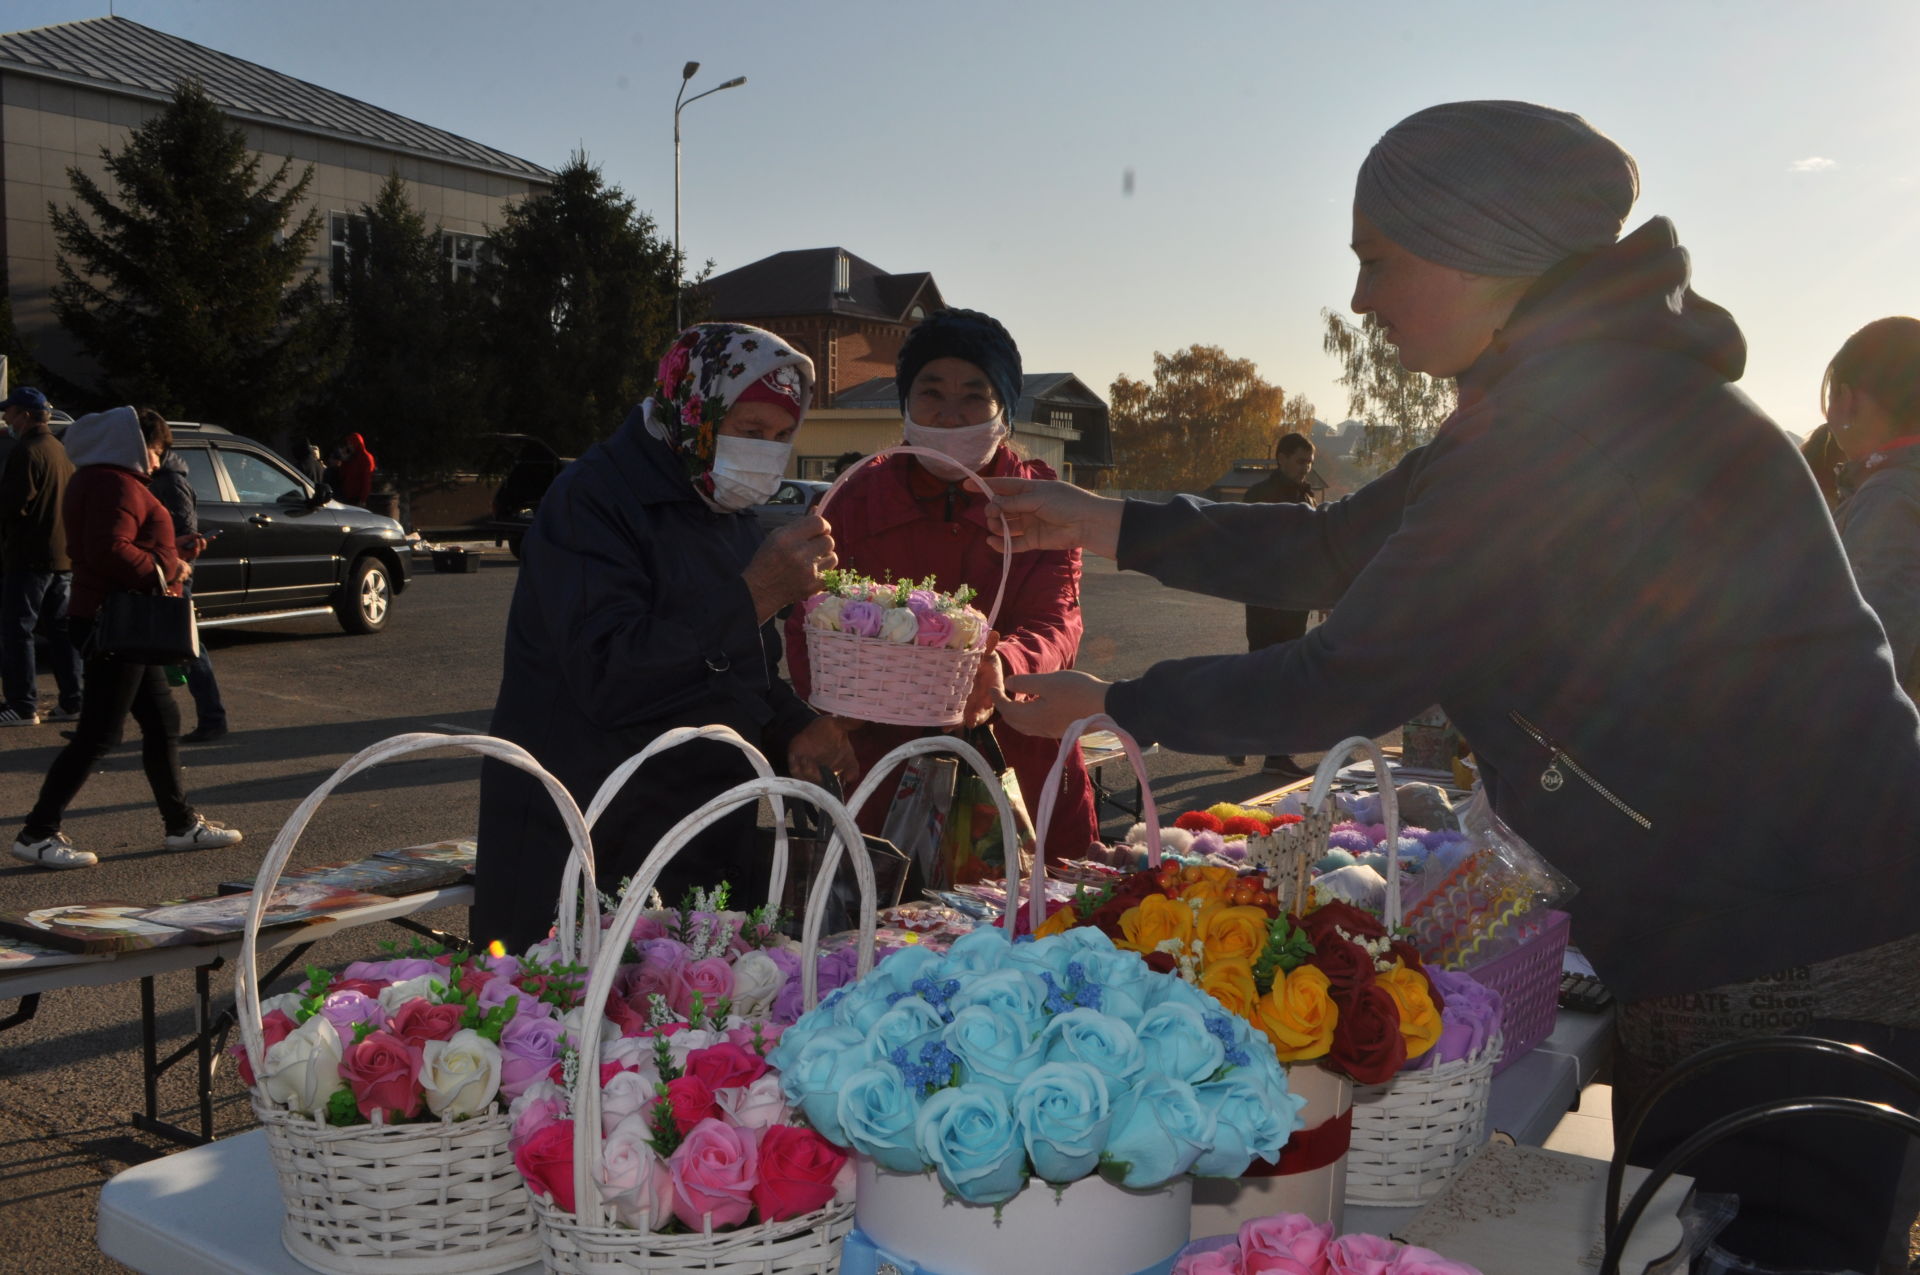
410, 1199
805, 1245
1528, 980
878, 681
1415, 1132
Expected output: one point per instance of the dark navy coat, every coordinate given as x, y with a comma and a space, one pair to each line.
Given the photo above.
630, 618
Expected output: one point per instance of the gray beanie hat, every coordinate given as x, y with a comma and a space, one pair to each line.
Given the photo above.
1497, 188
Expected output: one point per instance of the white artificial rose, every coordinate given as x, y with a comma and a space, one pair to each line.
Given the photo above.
394, 995
759, 1105
827, 614
573, 1024
545, 952
460, 1075
757, 979
969, 627
287, 1003
627, 1093
897, 624
628, 1051
682, 1043
303, 1069
635, 1182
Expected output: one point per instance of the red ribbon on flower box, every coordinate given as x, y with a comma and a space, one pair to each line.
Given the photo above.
1308, 1149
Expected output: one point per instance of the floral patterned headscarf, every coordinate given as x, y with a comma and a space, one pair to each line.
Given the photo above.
704, 373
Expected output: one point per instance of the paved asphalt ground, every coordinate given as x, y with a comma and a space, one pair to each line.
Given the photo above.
303, 697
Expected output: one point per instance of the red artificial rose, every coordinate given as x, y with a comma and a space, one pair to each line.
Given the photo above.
691, 1102
546, 1161
419, 1022
383, 1071
1367, 1044
444, 960
1324, 919
1243, 826
629, 1020
364, 986
797, 1169
1198, 821
1347, 966
474, 977
726, 1066
1138, 885
1161, 962
274, 1028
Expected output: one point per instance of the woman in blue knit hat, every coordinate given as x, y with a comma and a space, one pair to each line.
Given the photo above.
958, 376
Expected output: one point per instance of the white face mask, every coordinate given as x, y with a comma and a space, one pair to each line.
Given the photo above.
969, 445
746, 471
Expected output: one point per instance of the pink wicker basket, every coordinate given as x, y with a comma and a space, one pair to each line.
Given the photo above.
901, 684
1528, 980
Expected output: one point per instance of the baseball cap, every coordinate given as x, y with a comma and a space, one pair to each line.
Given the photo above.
26, 398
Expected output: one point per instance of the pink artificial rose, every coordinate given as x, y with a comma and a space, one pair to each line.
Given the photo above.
711, 978
862, 618
1360, 1255
274, 1028
1218, 1261
936, 629
648, 928
769, 1036
812, 604
715, 1169
383, 1071
539, 1105
726, 1066
474, 977
630, 1020
1424, 1261
663, 968
1286, 1244
546, 1161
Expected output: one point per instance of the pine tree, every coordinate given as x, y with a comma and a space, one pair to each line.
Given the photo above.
190, 282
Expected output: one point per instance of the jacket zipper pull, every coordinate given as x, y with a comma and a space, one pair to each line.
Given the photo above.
1551, 779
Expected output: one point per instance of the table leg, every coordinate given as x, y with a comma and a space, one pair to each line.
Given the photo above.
29, 1005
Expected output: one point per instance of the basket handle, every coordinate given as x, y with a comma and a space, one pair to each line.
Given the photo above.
880, 770
1006, 556
1323, 777
611, 786
1050, 796
586, 1097
581, 860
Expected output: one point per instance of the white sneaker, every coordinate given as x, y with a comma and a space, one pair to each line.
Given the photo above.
11, 716
53, 852
204, 835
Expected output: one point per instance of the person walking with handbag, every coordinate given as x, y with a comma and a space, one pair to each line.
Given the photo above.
121, 540
33, 557
173, 488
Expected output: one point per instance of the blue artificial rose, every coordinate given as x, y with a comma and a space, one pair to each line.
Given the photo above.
907, 1025
968, 1135
877, 1111
986, 948
1248, 1125
813, 1064
1012, 993
1101, 1041
992, 1048
1049, 955
1126, 984
899, 971
1063, 1113
1159, 1131
1176, 1043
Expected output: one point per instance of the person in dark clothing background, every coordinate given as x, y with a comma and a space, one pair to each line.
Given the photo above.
651, 609
1824, 457
36, 577
173, 488
355, 485
1269, 626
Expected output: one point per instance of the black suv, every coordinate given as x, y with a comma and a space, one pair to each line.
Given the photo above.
285, 549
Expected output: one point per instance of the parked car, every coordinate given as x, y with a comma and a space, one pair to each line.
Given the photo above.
795, 497
284, 547
527, 466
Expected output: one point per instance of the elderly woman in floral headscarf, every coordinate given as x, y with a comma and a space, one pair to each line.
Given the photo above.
644, 603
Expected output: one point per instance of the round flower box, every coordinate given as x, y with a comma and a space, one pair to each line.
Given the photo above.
1220, 1205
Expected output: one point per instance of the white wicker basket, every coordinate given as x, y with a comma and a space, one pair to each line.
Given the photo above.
1412, 1134
432, 1198
900, 684
589, 1240
1050, 797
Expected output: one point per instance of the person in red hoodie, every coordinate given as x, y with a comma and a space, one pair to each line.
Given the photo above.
121, 540
958, 376
356, 472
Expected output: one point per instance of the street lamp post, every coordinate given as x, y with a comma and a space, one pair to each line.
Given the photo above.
686, 74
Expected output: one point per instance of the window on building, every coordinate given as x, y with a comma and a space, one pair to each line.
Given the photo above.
340, 234
464, 253
817, 468
842, 276
1061, 419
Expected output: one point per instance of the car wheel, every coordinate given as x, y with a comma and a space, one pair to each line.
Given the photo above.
366, 599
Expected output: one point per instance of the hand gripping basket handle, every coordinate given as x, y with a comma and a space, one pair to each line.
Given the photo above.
1330, 765
881, 770
610, 788
1050, 796
587, 1135
581, 860
1006, 557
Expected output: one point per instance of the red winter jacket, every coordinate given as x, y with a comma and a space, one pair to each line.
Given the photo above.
894, 517
356, 472
117, 532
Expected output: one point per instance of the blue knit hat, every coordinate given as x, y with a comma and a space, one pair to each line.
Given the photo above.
962, 334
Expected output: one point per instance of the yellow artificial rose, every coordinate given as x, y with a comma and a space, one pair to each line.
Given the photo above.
1144, 928
1231, 983
1419, 1020
1238, 931
1059, 923
1208, 894
1298, 1015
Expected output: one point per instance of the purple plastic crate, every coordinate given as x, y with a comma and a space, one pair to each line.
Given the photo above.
1528, 980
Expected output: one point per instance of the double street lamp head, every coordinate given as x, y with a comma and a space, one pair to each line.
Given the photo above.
687, 73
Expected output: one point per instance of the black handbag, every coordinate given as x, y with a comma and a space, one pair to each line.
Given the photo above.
145, 628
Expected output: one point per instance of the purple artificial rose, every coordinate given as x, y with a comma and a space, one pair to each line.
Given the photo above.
498, 991
923, 603
398, 970
529, 1046
344, 1009
862, 618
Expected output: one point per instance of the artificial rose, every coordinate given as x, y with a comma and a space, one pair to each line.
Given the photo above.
529, 1047
500, 991
900, 626
663, 968
1230, 981
1159, 1131
1328, 917
1063, 1113
303, 1070
797, 1171
627, 1093
1177, 1043
757, 1036
1298, 1015
383, 1072
630, 1019
1346, 965
365, 986
1285, 1244
1213, 1261
274, 1028
1419, 1020
1236, 931
1102, 1041
826, 613
862, 619
1424, 1261
691, 1101
877, 1111
969, 627
968, 1134
397, 970
545, 1160
935, 628
540, 1104
460, 1076
418, 1022
754, 1106
1359, 1254
726, 1066
1156, 920
1367, 1044
1063, 918
714, 1169
638, 1185
993, 1045
757, 979
711, 980
425, 987
908, 1025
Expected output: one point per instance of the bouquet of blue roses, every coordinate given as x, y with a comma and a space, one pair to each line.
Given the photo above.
1059, 1058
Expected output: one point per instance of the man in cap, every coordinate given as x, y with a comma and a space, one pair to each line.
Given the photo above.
35, 575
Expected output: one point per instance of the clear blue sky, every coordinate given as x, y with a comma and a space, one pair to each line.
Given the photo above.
986, 141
